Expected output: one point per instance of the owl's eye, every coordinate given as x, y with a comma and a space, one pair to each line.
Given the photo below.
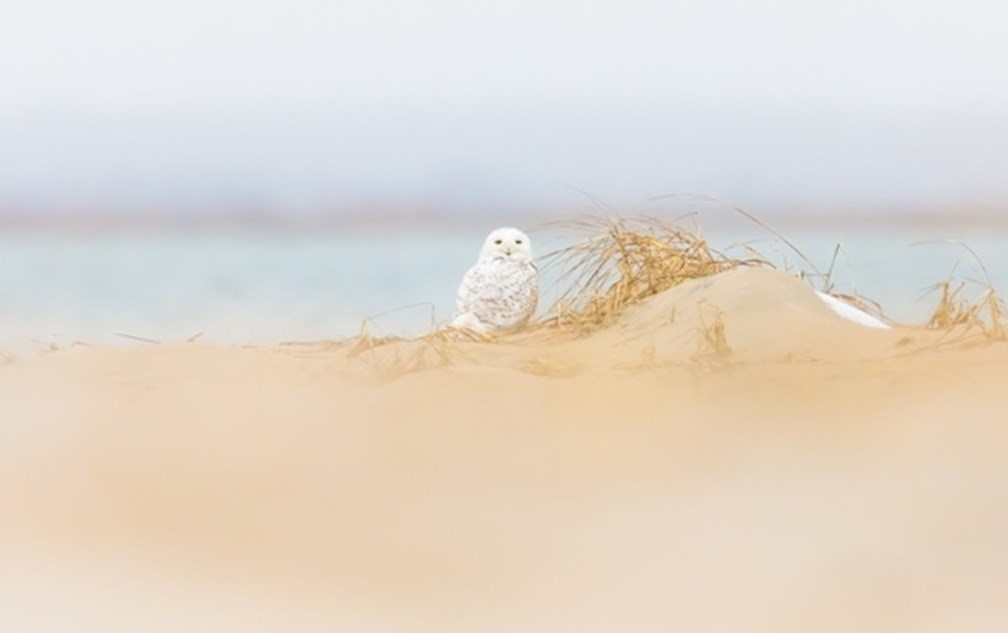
517, 241
497, 241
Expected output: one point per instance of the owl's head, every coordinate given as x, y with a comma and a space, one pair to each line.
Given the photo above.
507, 243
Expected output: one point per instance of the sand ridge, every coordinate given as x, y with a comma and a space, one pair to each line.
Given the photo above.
815, 475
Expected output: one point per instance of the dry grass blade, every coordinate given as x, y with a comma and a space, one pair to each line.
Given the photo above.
976, 257
366, 342
752, 218
998, 328
713, 335
142, 339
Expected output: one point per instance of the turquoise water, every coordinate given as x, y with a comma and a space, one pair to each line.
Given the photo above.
256, 287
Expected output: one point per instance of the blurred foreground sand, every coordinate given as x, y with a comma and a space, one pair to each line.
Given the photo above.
819, 476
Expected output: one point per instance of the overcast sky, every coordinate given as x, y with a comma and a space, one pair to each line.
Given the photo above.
349, 101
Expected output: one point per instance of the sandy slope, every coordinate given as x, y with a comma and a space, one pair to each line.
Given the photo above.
802, 474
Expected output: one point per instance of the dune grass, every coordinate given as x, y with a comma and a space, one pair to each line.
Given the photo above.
956, 313
614, 263
623, 261
959, 312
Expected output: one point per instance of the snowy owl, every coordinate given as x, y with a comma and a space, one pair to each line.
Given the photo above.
501, 290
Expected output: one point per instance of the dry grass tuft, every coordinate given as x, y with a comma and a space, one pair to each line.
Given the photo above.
957, 313
954, 312
394, 356
714, 342
623, 261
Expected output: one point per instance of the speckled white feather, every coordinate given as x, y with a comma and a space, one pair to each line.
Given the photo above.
501, 290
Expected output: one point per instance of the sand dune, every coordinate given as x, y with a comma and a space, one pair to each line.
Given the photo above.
730, 455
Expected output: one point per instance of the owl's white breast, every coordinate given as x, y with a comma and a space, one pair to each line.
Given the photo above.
501, 293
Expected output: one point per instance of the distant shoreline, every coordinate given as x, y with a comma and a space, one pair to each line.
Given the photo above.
428, 218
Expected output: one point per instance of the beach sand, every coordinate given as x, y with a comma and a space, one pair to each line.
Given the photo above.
794, 472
